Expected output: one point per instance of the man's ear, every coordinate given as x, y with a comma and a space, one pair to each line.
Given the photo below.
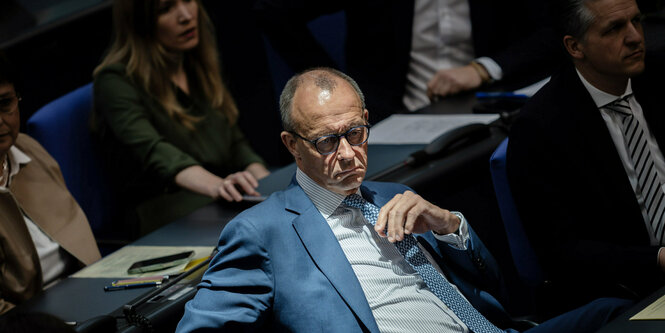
366, 115
289, 142
574, 47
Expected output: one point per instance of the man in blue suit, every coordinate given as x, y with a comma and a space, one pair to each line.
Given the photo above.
308, 260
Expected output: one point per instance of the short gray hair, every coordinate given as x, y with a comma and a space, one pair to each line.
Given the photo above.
576, 18
323, 79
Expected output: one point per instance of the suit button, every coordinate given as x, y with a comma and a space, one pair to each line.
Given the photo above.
479, 263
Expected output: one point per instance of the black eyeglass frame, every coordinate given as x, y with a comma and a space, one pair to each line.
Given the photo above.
336, 136
11, 109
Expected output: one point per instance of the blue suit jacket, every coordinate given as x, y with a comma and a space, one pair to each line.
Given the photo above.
280, 268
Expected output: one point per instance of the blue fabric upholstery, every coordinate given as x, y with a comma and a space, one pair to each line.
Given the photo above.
62, 127
523, 255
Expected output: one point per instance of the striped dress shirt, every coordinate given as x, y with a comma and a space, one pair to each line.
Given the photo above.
399, 299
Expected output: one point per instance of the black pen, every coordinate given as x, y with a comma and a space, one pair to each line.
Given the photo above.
132, 286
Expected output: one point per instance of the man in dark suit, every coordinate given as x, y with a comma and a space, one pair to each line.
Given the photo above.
380, 45
333, 253
585, 159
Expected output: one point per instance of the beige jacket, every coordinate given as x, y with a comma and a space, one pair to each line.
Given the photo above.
39, 190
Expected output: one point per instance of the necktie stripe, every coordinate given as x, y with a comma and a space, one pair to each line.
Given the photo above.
634, 130
648, 170
660, 214
650, 176
639, 154
638, 147
651, 195
654, 211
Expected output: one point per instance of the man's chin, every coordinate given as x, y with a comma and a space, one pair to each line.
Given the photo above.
349, 184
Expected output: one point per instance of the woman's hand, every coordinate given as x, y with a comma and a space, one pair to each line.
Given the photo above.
197, 179
230, 187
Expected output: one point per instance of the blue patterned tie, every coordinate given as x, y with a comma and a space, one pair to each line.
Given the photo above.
435, 282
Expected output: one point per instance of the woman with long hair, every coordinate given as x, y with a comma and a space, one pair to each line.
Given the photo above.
164, 114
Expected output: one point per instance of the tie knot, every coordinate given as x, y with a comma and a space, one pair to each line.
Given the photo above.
354, 200
621, 105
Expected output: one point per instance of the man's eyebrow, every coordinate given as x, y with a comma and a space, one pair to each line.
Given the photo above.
325, 133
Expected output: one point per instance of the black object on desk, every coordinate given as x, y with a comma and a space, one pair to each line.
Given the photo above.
163, 306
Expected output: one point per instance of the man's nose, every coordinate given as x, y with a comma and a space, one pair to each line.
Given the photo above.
634, 34
345, 150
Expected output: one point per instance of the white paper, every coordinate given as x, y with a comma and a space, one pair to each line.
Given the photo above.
421, 128
532, 89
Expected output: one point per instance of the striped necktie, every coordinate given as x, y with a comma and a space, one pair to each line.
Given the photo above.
648, 179
435, 282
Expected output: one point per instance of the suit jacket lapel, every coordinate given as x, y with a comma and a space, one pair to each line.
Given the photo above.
587, 134
327, 255
585, 127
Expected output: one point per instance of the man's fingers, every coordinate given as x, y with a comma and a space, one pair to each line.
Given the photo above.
382, 220
394, 216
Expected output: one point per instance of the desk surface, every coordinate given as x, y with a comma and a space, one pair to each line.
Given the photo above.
79, 299
622, 324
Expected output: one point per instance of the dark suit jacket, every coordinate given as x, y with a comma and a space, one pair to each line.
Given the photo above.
378, 41
281, 269
572, 191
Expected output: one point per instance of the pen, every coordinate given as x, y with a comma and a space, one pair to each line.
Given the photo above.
491, 94
140, 280
132, 286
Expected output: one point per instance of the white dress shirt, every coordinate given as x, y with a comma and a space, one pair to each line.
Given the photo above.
399, 299
613, 122
441, 39
53, 259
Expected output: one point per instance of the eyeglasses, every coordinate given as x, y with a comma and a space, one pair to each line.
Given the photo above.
9, 105
328, 144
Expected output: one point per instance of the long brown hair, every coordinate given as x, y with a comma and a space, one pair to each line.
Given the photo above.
149, 64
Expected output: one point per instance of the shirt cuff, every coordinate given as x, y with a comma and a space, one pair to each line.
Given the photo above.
456, 239
494, 70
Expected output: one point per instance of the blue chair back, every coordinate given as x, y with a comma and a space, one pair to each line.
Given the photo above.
62, 127
523, 254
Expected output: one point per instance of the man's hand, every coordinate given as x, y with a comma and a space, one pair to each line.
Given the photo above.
409, 213
452, 81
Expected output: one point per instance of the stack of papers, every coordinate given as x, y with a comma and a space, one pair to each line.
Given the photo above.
404, 129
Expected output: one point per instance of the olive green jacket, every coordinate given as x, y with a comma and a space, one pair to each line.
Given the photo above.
146, 148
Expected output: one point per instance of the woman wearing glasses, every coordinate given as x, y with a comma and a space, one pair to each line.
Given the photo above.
44, 234
165, 115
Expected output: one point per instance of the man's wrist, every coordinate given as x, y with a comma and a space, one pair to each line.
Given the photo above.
482, 72
457, 230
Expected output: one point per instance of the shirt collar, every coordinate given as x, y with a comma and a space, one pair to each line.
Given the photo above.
600, 97
325, 201
16, 159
